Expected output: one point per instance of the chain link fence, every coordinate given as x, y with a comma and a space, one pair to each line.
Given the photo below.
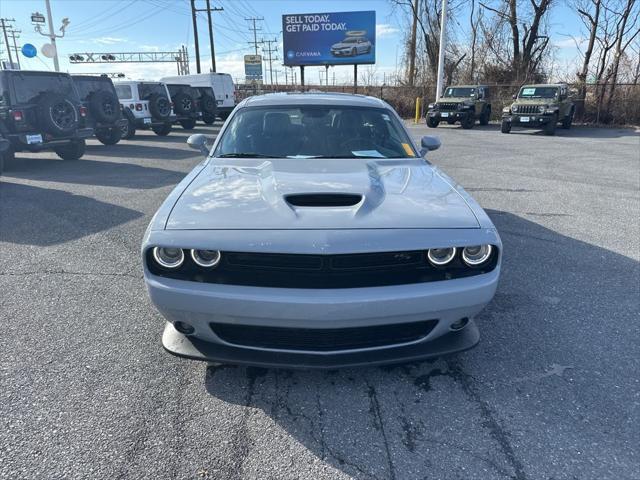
624, 109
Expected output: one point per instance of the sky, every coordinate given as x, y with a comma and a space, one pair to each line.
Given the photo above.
165, 25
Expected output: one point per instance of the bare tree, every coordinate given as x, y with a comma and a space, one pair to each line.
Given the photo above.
589, 11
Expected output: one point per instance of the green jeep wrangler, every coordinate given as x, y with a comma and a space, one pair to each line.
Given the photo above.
540, 106
464, 104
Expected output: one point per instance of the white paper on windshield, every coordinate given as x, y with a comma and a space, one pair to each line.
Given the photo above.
528, 91
302, 156
368, 153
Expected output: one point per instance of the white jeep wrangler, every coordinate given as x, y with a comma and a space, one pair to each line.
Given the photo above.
145, 105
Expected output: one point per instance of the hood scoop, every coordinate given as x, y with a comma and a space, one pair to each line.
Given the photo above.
323, 199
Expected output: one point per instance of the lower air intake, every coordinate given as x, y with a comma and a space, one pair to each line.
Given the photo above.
322, 339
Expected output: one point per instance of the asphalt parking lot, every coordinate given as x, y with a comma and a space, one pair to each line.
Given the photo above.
551, 392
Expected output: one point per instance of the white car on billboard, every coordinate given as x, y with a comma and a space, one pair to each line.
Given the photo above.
355, 43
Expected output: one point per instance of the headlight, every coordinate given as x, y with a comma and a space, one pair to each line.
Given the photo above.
476, 255
206, 258
432, 105
506, 110
168, 257
514, 108
542, 108
441, 256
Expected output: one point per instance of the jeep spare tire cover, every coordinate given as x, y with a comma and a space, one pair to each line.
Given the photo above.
183, 104
159, 106
104, 106
208, 104
57, 114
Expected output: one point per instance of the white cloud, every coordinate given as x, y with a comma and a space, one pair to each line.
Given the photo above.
569, 42
109, 40
385, 30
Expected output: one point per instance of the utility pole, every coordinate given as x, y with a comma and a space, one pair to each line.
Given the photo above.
195, 34
269, 51
3, 24
443, 42
14, 34
208, 10
412, 45
255, 30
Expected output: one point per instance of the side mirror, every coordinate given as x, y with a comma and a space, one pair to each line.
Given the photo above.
198, 141
429, 143
514, 96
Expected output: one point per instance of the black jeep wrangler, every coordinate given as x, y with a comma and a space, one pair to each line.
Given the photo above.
104, 112
207, 104
41, 111
185, 104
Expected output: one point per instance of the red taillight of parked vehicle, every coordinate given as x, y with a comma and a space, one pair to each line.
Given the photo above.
17, 115
83, 111
138, 107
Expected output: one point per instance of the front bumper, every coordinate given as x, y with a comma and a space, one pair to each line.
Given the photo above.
457, 115
342, 53
200, 304
20, 141
527, 120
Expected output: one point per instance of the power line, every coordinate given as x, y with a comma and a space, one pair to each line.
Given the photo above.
211, 46
255, 31
14, 35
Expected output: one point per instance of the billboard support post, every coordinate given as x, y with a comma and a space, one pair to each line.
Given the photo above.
302, 77
355, 78
326, 78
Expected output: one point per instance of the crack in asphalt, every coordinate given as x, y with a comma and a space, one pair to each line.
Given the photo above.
499, 434
379, 425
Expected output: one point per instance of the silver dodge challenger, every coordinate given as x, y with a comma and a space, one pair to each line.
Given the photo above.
316, 235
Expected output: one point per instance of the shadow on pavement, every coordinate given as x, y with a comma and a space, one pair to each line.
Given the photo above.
136, 151
565, 309
44, 216
93, 172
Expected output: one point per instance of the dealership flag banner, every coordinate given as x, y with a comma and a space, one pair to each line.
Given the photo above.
341, 38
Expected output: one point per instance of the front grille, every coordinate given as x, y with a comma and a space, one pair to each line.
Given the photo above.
448, 106
528, 109
283, 270
322, 339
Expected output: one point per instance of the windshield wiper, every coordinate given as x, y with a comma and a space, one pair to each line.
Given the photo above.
246, 155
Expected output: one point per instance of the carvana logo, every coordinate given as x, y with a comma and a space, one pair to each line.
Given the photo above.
291, 54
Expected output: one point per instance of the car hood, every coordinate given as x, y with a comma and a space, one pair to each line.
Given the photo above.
257, 194
456, 100
343, 45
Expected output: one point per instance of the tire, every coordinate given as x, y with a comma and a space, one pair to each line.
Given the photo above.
432, 122
109, 136
208, 119
72, 151
468, 122
208, 105
486, 116
183, 104
567, 121
506, 127
128, 131
57, 115
550, 128
7, 159
162, 130
104, 106
160, 107
188, 124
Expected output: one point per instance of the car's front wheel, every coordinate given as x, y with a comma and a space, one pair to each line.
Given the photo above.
506, 127
567, 121
72, 151
432, 122
109, 136
162, 130
468, 121
485, 117
550, 128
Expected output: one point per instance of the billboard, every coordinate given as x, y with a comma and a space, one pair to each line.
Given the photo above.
253, 68
342, 38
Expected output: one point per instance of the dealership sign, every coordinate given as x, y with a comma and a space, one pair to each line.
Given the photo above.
343, 38
253, 68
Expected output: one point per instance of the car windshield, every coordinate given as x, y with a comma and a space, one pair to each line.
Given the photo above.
86, 86
29, 87
538, 92
314, 132
145, 90
459, 92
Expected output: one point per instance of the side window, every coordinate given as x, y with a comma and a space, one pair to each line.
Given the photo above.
123, 92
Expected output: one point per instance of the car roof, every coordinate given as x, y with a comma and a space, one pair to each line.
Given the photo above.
467, 86
299, 98
557, 85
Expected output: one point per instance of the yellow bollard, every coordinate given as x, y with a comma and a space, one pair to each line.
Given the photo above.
417, 119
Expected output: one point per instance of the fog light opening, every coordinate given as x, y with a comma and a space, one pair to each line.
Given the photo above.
460, 324
184, 328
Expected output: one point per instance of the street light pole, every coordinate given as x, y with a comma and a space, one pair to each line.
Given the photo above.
39, 19
443, 41
52, 36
